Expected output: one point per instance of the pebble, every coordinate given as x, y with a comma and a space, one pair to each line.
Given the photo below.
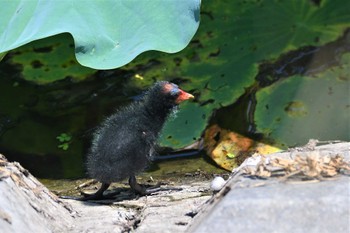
217, 183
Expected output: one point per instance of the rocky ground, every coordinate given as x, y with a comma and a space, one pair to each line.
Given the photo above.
28, 206
305, 189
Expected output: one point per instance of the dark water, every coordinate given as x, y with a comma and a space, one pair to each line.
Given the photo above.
34, 117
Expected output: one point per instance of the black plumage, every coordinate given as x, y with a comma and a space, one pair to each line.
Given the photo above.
124, 143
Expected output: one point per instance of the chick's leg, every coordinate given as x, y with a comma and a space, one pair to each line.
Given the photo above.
96, 196
141, 189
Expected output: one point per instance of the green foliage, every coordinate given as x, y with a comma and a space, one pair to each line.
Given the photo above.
220, 62
234, 37
50, 59
65, 140
107, 33
64, 137
300, 108
187, 119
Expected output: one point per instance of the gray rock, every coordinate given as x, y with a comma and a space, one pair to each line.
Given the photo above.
168, 211
28, 206
245, 204
249, 204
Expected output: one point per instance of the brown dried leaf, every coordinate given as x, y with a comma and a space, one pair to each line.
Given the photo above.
313, 165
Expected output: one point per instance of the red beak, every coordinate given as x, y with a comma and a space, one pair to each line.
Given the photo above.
183, 96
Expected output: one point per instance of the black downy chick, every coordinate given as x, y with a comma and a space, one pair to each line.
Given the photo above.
124, 143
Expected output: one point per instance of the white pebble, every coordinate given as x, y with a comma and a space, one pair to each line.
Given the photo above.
217, 183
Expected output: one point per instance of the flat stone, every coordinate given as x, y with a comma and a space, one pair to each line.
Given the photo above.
167, 211
250, 204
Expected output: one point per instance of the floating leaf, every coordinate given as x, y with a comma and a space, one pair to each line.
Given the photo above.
320, 107
50, 59
189, 117
233, 39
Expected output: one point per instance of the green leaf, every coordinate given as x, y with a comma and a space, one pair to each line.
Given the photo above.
183, 129
64, 146
50, 59
63, 137
235, 37
107, 33
59, 138
231, 155
300, 108
223, 58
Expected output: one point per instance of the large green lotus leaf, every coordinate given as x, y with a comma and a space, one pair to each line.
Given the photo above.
107, 33
300, 108
50, 59
233, 39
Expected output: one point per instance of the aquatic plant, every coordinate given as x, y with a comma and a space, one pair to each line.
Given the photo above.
65, 140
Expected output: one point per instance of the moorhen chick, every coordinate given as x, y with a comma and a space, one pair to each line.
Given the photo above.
124, 144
